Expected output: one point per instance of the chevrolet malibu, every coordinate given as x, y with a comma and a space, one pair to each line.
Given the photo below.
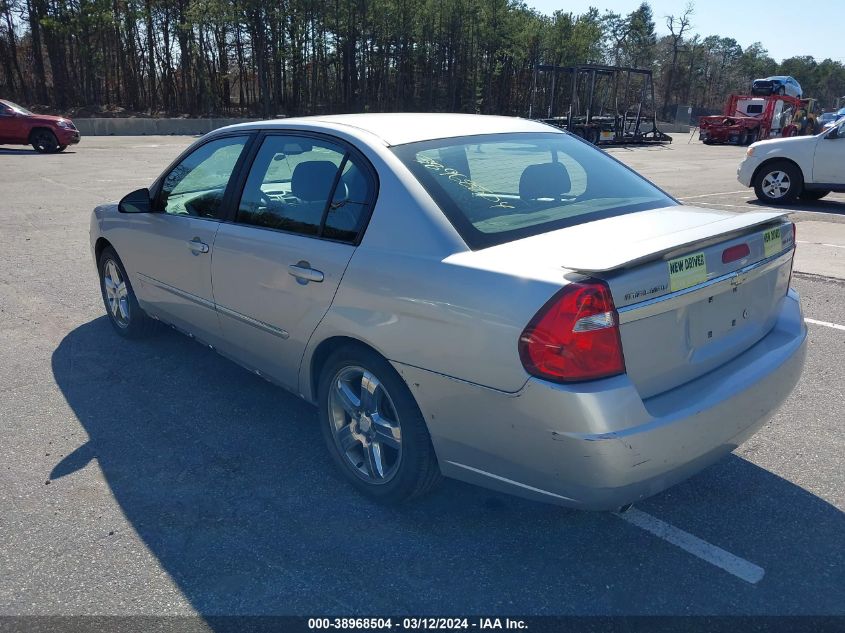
477, 297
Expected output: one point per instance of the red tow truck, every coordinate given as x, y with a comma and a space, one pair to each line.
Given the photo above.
748, 118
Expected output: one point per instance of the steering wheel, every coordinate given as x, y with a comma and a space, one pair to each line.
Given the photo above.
264, 200
261, 206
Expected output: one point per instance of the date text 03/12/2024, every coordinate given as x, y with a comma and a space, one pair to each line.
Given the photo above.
414, 624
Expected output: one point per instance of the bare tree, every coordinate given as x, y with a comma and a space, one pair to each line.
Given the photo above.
677, 26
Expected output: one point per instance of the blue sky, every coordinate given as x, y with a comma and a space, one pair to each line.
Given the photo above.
784, 31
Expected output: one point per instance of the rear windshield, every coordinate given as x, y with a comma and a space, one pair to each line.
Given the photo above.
501, 187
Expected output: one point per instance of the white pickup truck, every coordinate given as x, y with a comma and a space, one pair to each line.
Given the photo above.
783, 169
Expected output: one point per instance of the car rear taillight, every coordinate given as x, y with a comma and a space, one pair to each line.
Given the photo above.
575, 336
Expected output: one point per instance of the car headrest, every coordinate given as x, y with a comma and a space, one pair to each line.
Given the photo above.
356, 185
546, 180
312, 180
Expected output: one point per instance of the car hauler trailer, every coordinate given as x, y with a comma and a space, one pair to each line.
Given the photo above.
601, 104
749, 118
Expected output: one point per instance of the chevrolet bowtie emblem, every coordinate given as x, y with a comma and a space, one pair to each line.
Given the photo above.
738, 279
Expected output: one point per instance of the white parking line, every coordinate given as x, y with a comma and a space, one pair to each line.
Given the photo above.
708, 195
835, 326
739, 567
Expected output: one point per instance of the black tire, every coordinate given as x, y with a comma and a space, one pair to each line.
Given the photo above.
136, 324
813, 194
44, 142
414, 468
768, 173
61, 148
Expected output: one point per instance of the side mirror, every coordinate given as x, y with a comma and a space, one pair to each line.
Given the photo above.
136, 202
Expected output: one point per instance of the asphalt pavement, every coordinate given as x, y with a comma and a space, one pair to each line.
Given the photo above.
156, 477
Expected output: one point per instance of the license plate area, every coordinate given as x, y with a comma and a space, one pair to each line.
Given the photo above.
721, 315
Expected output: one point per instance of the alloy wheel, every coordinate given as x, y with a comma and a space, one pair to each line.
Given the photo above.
117, 293
43, 142
365, 425
776, 184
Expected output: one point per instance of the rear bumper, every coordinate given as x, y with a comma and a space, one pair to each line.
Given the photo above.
599, 445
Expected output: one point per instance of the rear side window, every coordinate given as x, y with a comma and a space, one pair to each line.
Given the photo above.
501, 187
348, 210
308, 186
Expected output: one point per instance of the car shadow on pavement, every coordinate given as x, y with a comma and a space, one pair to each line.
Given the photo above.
226, 480
816, 206
5, 151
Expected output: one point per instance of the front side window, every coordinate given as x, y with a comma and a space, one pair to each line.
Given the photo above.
306, 185
196, 186
501, 187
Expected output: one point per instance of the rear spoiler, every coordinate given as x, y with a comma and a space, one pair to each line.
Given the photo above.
582, 252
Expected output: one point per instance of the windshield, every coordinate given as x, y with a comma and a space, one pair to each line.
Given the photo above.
501, 187
16, 107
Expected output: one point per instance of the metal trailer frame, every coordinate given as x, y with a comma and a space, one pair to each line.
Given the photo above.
589, 120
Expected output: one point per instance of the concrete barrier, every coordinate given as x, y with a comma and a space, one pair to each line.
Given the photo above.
669, 128
144, 127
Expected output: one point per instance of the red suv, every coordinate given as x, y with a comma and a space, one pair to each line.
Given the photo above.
47, 134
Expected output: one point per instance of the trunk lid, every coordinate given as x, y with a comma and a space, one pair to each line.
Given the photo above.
690, 311
683, 309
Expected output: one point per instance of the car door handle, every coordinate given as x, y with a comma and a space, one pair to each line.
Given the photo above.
197, 246
304, 273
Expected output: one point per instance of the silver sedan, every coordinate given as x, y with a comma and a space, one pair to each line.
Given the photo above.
484, 298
